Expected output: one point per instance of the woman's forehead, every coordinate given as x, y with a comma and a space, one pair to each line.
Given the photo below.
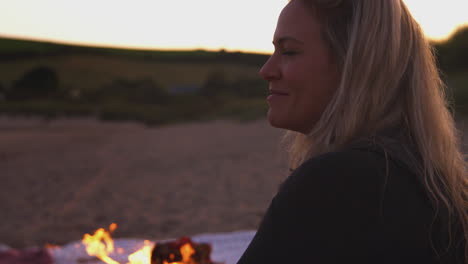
296, 22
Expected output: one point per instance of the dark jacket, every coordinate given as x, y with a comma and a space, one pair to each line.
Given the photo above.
363, 204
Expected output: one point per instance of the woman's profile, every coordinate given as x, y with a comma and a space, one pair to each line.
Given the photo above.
377, 171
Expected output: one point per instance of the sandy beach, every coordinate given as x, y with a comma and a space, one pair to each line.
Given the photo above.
63, 178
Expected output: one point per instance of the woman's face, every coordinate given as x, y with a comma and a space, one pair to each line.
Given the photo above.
301, 72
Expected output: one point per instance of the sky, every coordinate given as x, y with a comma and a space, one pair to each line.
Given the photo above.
235, 25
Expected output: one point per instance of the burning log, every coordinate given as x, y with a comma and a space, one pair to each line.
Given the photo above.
182, 251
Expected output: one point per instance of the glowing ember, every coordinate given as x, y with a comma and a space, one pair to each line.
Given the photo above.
187, 252
181, 251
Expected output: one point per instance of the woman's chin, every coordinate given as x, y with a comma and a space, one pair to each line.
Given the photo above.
281, 120
275, 120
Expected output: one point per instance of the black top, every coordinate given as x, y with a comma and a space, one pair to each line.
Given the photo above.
358, 205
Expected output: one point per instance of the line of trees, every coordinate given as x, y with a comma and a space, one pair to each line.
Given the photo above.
43, 83
452, 55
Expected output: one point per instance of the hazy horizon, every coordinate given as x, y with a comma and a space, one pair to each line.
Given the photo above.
206, 24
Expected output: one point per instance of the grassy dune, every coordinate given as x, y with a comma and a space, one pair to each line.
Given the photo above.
85, 69
91, 71
90, 67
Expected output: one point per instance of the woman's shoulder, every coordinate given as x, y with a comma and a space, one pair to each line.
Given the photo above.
364, 177
351, 176
371, 182
378, 167
366, 158
384, 210
363, 161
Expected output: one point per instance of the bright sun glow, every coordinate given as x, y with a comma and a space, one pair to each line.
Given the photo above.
208, 24
439, 18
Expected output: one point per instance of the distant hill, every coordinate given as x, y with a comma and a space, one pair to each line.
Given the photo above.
13, 49
453, 54
51, 79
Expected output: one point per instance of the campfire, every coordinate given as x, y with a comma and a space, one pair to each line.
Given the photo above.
99, 247
183, 251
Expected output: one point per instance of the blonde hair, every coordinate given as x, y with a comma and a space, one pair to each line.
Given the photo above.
388, 78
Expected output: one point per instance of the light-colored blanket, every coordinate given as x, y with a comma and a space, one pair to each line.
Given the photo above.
227, 248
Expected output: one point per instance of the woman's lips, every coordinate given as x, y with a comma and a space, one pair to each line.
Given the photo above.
275, 95
278, 92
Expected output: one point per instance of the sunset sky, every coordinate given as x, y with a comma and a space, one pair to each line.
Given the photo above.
245, 25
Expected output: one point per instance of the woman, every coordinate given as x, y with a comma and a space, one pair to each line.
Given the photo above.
378, 176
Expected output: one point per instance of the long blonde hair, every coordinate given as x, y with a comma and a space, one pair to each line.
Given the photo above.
388, 77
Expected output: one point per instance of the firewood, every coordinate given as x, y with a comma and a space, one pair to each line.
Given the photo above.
171, 252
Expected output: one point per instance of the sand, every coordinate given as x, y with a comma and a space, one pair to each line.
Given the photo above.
63, 178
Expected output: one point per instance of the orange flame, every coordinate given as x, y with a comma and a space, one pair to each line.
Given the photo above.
100, 244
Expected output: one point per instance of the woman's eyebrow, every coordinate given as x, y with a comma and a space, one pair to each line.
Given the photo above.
284, 39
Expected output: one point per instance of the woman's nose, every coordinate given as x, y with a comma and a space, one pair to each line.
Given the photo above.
270, 71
